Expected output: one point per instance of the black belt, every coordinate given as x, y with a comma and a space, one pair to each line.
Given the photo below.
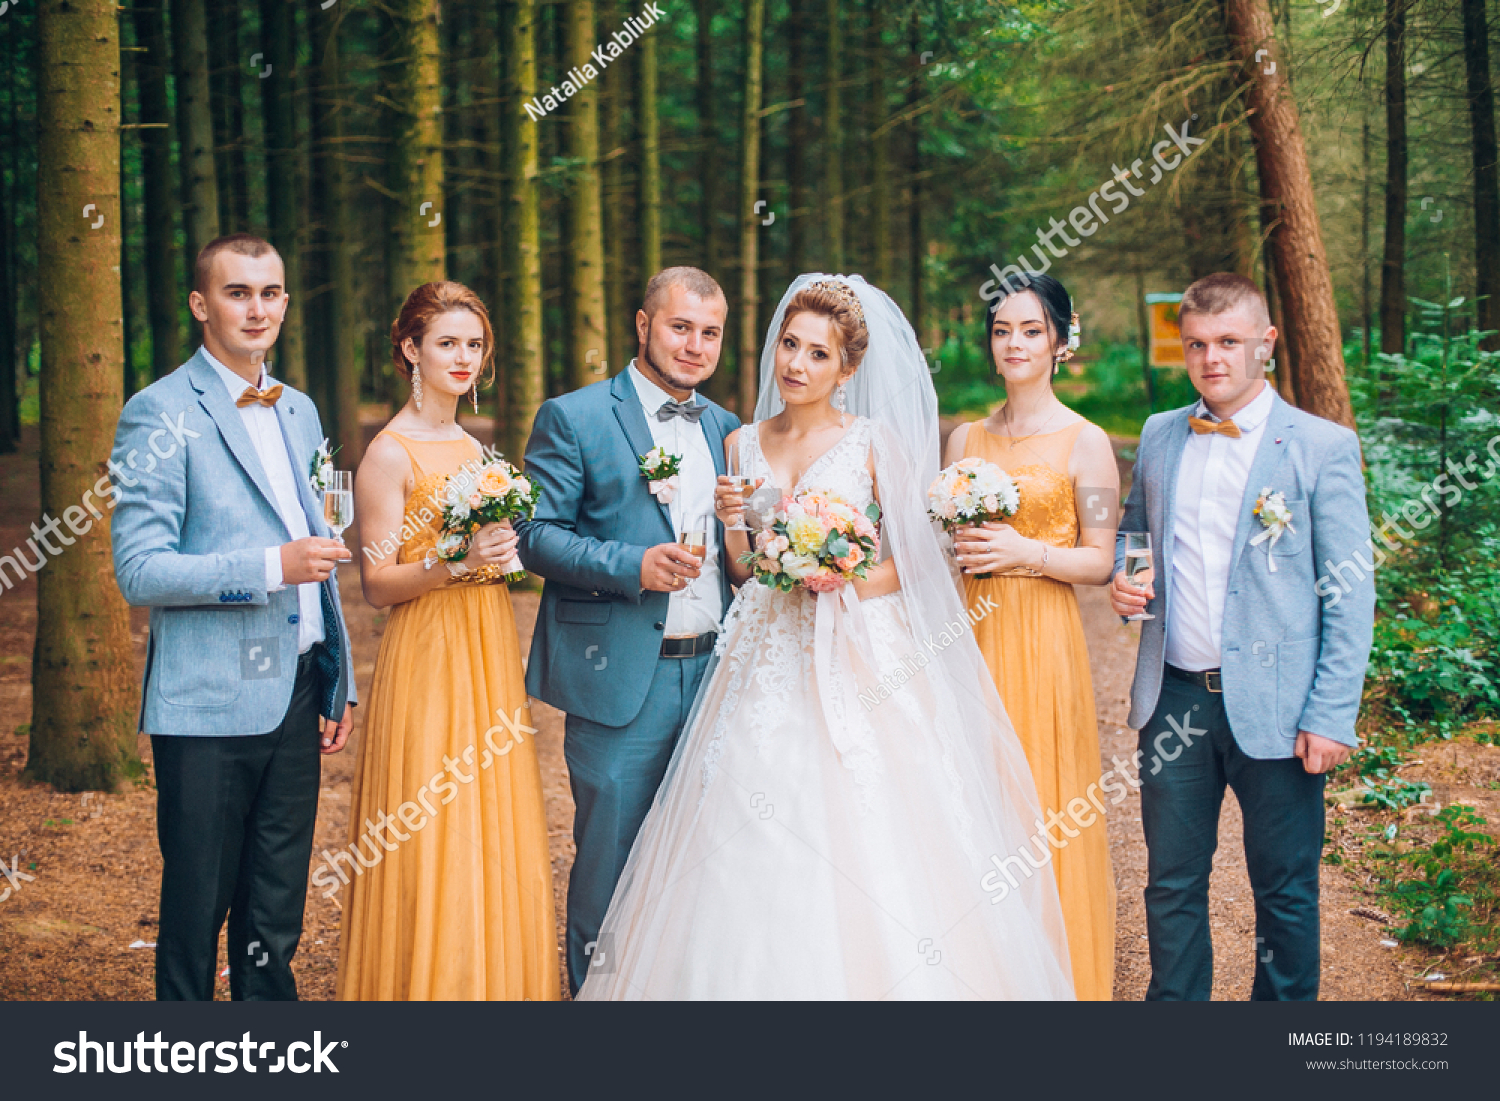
688, 647
1212, 679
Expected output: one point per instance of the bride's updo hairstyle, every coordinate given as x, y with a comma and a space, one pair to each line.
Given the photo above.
1057, 305
431, 301
837, 302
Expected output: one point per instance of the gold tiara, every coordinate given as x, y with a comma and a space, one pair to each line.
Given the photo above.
844, 293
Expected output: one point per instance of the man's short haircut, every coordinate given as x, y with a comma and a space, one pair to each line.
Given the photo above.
1220, 292
245, 244
695, 281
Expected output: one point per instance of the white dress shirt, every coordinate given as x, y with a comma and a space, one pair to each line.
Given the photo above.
697, 608
264, 431
1210, 493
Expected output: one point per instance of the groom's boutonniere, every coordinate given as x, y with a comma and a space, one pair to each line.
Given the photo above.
660, 469
320, 470
1275, 517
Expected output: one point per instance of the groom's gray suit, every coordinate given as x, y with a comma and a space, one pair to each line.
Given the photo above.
597, 649
1293, 648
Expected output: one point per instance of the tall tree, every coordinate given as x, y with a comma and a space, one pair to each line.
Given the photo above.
84, 699
283, 167
750, 122
798, 135
833, 144
130, 287
648, 124
195, 128
1393, 262
587, 338
618, 287
418, 255
525, 366
10, 398
708, 139
340, 305
917, 243
1481, 95
880, 166
228, 112
163, 289
1303, 280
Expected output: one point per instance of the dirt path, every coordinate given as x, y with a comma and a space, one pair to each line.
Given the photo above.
95, 868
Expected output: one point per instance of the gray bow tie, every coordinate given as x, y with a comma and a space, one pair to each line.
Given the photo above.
685, 409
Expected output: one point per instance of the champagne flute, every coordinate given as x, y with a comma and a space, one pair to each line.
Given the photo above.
693, 538
338, 502
742, 486
1138, 567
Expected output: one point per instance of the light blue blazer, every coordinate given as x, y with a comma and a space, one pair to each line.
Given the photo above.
1295, 642
598, 635
189, 543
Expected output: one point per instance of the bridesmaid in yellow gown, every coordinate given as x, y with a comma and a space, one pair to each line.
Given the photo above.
1032, 637
452, 899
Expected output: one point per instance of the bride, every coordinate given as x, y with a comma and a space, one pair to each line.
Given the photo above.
832, 821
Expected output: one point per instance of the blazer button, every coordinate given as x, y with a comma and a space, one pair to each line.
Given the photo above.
291, 619
658, 626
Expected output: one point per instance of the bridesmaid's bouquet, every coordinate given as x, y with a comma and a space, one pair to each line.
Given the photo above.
493, 492
816, 540
972, 491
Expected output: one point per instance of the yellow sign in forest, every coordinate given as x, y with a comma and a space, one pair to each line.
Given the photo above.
1166, 338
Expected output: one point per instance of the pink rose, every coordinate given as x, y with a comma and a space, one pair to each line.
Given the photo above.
825, 581
850, 560
475, 500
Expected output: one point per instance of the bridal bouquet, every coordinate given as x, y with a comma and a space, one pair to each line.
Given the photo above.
815, 540
972, 491
493, 492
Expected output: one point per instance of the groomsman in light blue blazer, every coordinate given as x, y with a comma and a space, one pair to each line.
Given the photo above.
218, 531
1251, 671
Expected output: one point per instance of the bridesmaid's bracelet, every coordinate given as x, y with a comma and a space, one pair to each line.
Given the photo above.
1040, 571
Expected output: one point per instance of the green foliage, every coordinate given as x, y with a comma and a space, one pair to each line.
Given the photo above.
1445, 888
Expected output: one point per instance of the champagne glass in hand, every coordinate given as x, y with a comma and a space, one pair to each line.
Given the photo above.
338, 503
742, 485
693, 538
1139, 571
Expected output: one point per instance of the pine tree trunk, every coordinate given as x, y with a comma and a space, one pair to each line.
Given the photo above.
614, 144
491, 81
419, 255
755, 17
1302, 275
84, 694
1481, 94
525, 372
798, 135
587, 339
833, 145
228, 111
916, 242
340, 304
163, 288
195, 128
283, 165
880, 167
709, 138
649, 126
10, 397
130, 287
1393, 262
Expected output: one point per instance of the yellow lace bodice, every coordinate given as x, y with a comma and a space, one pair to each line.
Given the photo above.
1039, 465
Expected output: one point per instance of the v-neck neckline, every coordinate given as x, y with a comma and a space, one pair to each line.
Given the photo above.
829, 450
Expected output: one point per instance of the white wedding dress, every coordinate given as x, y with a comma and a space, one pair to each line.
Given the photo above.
818, 835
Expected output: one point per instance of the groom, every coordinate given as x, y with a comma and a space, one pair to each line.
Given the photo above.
217, 531
1244, 677
628, 617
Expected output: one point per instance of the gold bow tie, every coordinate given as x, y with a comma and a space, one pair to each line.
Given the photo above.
267, 397
1206, 427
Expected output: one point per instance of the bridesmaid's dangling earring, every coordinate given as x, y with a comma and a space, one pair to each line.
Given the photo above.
416, 387
474, 393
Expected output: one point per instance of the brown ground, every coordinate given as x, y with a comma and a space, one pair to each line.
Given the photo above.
67, 932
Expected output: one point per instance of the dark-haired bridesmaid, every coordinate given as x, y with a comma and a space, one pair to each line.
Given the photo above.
1032, 638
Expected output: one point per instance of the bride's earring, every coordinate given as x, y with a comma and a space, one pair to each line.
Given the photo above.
416, 386
838, 402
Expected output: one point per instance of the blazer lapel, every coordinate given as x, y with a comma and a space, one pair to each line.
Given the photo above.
1177, 437
632, 420
226, 416
1268, 456
311, 506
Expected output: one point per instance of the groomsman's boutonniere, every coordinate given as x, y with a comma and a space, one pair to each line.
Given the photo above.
320, 470
1275, 517
660, 469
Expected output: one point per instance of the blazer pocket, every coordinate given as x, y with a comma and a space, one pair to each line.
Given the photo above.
583, 611
197, 670
1296, 665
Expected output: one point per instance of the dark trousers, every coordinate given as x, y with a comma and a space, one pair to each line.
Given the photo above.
1183, 774
234, 818
614, 772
